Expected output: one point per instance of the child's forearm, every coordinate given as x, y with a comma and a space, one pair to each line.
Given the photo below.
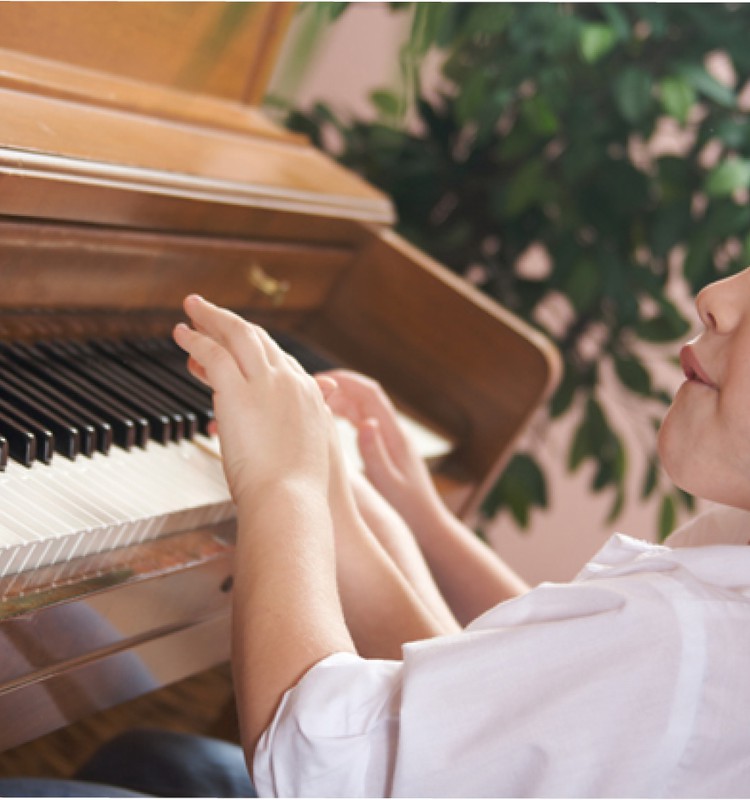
382, 607
287, 614
471, 576
392, 532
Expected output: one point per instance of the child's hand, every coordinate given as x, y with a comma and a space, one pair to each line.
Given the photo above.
273, 422
391, 462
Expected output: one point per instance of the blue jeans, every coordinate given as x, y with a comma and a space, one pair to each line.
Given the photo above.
150, 763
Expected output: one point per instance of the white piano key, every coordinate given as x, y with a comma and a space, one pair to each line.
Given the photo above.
51, 514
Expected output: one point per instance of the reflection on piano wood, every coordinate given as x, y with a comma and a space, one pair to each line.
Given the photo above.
124, 187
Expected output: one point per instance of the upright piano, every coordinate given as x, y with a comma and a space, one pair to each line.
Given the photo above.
135, 168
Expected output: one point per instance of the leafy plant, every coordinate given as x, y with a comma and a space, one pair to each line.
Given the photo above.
543, 141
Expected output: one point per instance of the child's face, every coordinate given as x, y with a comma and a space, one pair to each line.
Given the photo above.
704, 441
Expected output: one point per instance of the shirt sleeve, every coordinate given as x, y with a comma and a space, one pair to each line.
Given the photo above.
335, 732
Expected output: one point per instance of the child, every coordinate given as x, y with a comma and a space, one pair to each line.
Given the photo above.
352, 678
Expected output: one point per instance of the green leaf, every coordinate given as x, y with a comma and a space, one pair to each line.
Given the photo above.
581, 447
633, 374
728, 176
590, 435
388, 104
472, 96
611, 459
670, 225
677, 97
539, 115
686, 499
564, 393
667, 517
734, 133
698, 261
617, 506
521, 487
704, 83
487, 18
603, 477
583, 284
633, 93
617, 19
525, 188
651, 478
596, 41
665, 327
656, 16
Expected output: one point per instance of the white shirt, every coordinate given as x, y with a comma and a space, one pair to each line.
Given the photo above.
633, 680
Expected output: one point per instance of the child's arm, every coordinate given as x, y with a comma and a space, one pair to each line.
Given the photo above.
282, 465
470, 575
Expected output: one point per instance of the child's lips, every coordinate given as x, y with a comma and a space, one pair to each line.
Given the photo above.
692, 368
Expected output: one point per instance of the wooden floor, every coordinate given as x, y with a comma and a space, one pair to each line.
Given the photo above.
201, 704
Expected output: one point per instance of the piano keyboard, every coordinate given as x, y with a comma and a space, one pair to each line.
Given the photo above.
106, 444
50, 514
103, 444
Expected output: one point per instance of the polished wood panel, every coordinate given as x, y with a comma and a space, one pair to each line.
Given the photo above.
88, 268
118, 626
467, 366
224, 49
111, 148
39, 76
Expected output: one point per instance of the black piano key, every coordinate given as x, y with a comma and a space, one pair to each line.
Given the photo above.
177, 392
153, 386
174, 376
94, 432
171, 357
139, 393
45, 440
195, 408
123, 428
3, 454
21, 443
74, 416
56, 354
67, 438
122, 391
42, 374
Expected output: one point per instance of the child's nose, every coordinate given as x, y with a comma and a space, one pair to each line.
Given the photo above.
720, 305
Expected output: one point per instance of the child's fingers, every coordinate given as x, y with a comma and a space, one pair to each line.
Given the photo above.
208, 360
197, 370
327, 385
379, 466
361, 398
249, 345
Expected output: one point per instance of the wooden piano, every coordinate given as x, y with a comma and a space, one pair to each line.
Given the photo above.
135, 168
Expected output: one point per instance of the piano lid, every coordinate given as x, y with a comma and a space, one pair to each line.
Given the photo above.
227, 50
178, 124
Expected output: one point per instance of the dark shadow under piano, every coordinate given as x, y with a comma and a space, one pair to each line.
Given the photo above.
202, 704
